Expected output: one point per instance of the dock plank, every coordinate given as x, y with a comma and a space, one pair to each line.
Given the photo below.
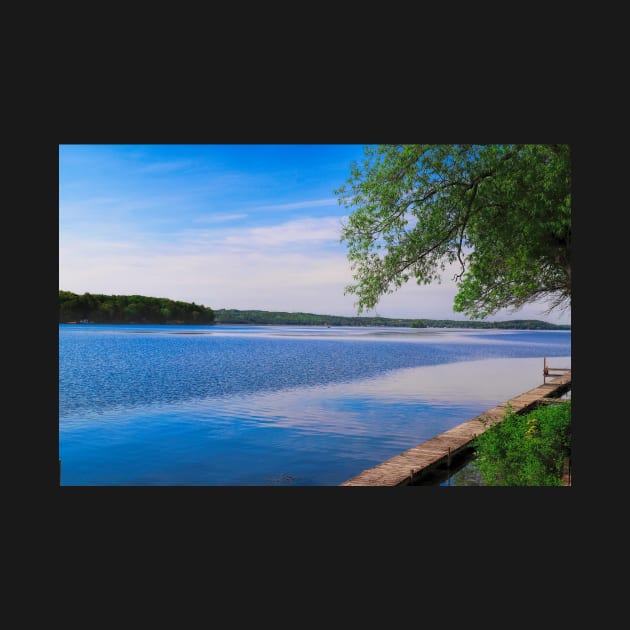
404, 468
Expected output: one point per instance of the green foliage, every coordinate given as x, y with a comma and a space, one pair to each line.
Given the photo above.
124, 309
418, 323
526, 449
234, 316
130, 309
502, 213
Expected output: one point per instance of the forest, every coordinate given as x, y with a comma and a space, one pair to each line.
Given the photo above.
129, 309
139, 309
252, 317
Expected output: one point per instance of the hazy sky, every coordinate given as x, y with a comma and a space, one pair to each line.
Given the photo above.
227, 226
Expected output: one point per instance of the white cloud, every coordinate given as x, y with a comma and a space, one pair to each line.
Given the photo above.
113, 209
165, 167
294, 266
300, 205
220, 218
298, 231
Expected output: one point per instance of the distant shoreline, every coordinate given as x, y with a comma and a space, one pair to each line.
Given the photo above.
141, 309
256, 317
450, 324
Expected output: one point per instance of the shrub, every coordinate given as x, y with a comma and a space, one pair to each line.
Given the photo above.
526, 449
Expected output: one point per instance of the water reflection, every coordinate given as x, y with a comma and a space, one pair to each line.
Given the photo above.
316, 435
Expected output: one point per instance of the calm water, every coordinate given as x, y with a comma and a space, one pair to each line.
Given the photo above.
272, 405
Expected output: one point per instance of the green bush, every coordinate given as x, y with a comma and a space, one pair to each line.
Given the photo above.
527, 449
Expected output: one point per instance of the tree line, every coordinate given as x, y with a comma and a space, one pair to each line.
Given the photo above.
253, 317
130, 309
140, 309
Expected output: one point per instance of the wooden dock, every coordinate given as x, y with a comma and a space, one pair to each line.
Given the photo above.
440, 454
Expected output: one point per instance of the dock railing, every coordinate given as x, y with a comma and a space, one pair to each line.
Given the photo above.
547, 370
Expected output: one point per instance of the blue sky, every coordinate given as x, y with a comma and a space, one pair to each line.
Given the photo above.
227, 226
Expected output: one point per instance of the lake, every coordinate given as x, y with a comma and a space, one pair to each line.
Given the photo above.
151, 405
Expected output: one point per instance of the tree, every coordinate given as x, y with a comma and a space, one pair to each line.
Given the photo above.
500, 213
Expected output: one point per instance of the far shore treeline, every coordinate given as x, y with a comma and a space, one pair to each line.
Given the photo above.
139, 309
129, 309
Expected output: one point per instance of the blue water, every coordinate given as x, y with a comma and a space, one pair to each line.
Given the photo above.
272, 405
